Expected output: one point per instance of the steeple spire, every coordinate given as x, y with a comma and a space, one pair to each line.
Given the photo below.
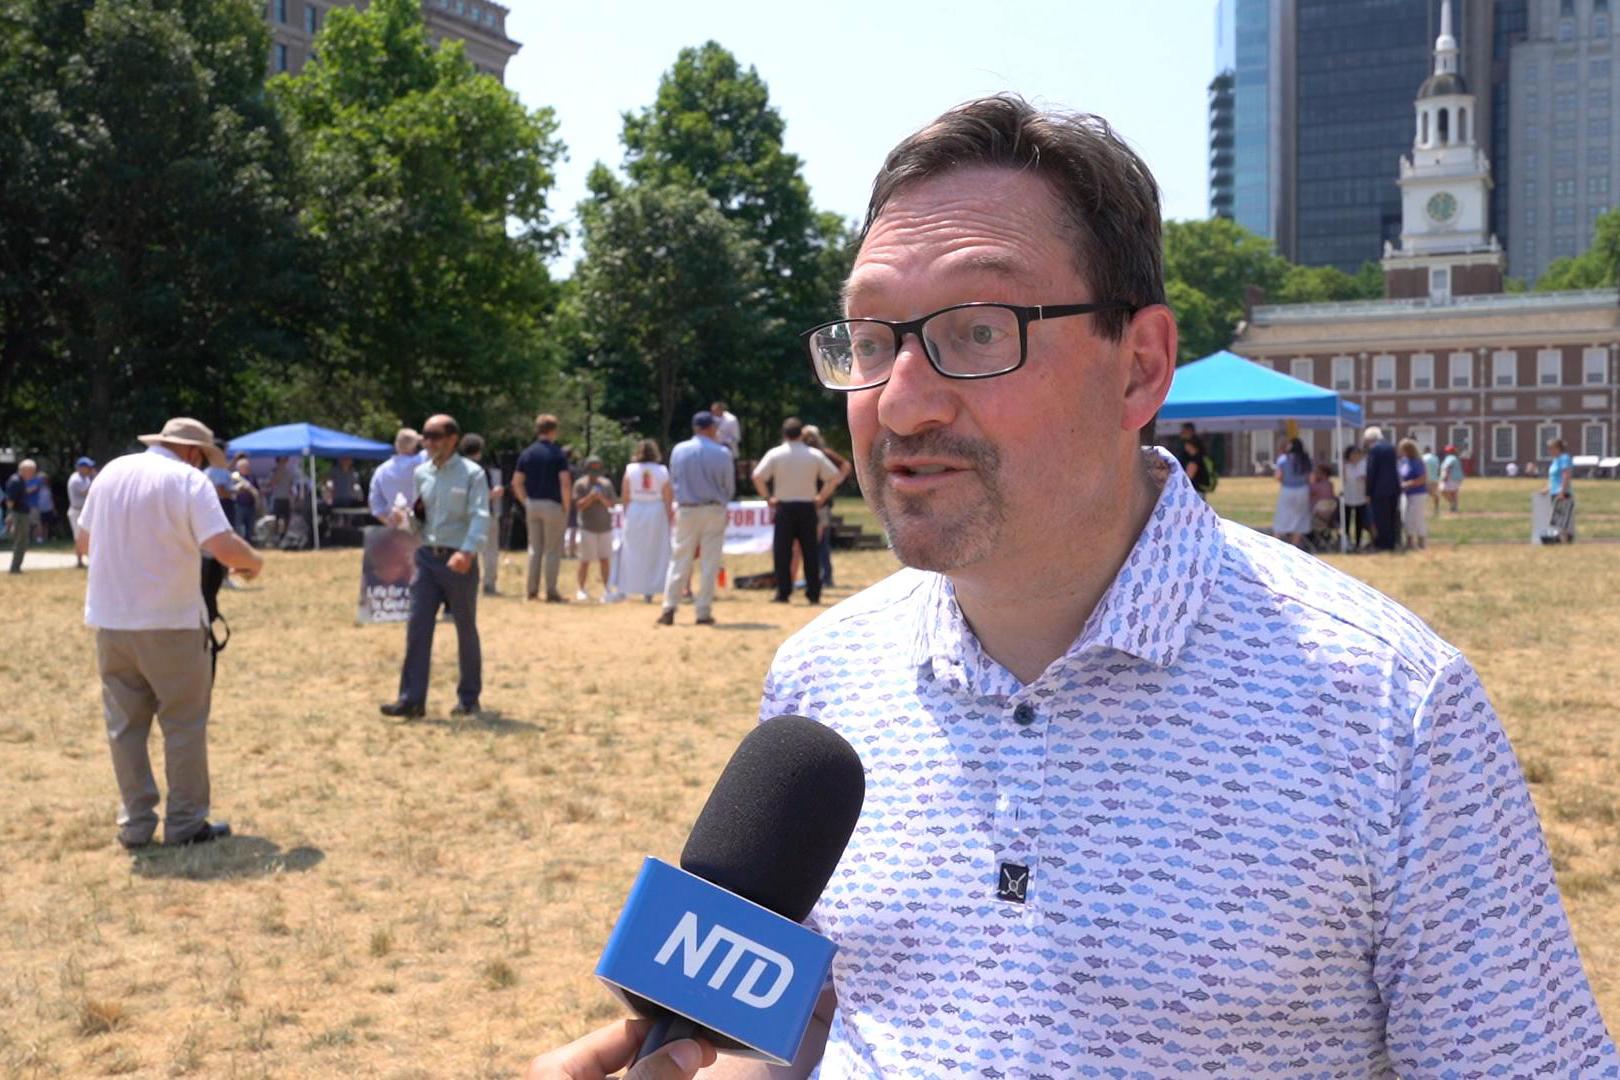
1445, 46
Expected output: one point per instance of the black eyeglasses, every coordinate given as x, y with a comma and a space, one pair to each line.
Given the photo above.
437, 434
963, 341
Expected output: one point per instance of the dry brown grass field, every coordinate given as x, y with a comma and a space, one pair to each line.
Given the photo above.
428, 899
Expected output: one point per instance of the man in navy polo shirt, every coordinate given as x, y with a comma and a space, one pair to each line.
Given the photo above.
544, 488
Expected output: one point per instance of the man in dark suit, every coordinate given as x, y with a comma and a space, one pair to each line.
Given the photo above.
1383, 489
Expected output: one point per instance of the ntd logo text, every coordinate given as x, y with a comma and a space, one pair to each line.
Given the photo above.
695, 955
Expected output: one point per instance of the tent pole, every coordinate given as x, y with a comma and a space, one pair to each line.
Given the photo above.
1338, 460
314, 505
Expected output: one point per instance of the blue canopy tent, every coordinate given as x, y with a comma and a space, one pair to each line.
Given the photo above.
1227, 392
308, 441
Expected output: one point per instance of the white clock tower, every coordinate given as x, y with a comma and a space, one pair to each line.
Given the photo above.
1446, 247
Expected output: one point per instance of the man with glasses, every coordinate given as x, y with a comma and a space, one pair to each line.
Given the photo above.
1148, 794
454, 493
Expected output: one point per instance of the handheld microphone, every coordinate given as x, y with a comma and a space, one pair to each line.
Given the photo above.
714, 947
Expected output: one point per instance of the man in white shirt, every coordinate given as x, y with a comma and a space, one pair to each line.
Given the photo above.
78, 486
397, 477
145, 525
794, 471
729, 429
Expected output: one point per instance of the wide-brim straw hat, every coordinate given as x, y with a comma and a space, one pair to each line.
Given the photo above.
184, 431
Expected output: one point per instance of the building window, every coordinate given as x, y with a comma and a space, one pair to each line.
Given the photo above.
1546, 433
1595, 366
281, 58
1597, 185
1505, 368
1563, 215
1344, 373
1600, 26
1530, 189
1595, 212
281, 12
1300, 367
1462, 437
1549, 367
1564, 189
1460, 366
1566, 30
1598, 125
1440, 283
1423, 371
1529, 215
1595, 439
1598, 69
312, 18
1384, 372
1504, 442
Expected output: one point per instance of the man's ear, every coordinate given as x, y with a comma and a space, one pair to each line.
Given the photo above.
1150, 344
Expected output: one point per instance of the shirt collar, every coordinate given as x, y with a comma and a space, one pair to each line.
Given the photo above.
163, 451
1147, 612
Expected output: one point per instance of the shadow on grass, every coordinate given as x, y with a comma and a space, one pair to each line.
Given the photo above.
230, 858
487, 720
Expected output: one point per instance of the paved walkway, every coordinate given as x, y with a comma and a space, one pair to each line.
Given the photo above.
43, 560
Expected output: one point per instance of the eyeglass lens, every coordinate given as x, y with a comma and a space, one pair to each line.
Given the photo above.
967, 341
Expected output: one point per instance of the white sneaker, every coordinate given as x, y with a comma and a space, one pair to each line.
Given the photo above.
582, 595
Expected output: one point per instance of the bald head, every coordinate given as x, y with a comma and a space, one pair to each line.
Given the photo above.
441, 433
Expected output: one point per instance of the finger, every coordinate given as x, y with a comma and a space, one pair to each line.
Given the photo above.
594, 1056
680, 1060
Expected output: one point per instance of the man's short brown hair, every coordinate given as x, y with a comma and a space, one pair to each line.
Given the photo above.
545, 424
1105, 191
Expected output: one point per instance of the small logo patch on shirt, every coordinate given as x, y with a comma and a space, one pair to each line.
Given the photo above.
1013, 884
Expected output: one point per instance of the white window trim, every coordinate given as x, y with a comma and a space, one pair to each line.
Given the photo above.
1513, 442
1595, 361
1307, 363
1422, 362
1504, 361
1600, 426
1383, 364
1553, 359
1460, 362
1342, 365
1465, 446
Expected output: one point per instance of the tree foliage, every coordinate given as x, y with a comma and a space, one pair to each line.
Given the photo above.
669, 282
148, 260
1213, 268
422, 191
1598, 267
713, 129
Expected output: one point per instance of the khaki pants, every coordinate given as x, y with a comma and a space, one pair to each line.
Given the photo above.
166, 674
696, 527
546, 522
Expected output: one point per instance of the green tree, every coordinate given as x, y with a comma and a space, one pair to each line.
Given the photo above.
1598, 267
667, 283
1326, 284
148, 260
423, 193
712, 127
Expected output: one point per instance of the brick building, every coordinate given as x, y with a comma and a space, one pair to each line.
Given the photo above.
1447, 357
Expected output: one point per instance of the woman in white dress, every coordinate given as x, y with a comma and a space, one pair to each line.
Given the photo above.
1293, 471
649, 507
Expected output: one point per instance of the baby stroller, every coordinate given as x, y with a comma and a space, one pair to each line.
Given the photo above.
1325, 531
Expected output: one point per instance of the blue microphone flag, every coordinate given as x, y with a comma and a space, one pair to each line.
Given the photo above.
724, 963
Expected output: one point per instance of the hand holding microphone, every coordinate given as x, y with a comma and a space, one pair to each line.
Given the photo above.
606, 1050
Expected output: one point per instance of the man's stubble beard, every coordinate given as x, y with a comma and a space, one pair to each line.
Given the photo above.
924, 534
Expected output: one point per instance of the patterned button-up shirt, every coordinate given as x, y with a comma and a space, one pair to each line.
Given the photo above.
1258, 821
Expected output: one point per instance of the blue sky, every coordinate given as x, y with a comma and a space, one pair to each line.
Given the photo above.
851, 79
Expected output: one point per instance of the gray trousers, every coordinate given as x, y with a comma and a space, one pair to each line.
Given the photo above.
437, 586
22, 534
166, 674
547, 523
492, 546
696, 528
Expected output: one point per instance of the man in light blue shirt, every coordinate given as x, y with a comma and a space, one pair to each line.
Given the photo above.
454, 493
704, 475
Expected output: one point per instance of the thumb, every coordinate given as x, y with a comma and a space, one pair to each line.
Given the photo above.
679, 1060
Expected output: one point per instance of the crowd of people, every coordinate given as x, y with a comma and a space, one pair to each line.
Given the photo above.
1388, 491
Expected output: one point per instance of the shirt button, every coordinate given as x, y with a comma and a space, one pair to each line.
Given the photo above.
1024, 714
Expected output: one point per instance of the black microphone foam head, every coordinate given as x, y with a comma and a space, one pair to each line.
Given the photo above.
780, 815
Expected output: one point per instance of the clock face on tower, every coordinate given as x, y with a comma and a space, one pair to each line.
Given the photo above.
1442, 207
